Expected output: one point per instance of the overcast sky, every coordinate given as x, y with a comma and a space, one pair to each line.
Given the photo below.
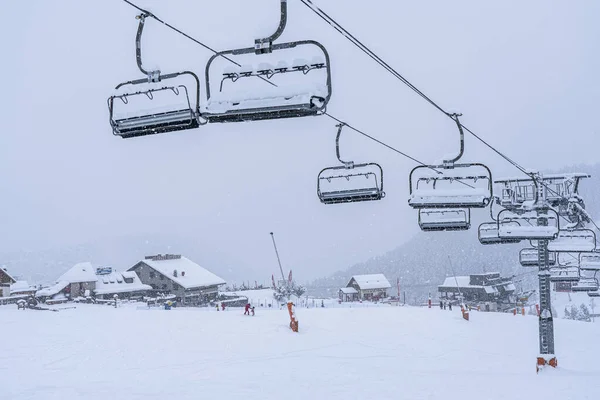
524, 74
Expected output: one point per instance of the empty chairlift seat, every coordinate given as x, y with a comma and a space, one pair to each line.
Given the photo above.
577, 240
349, 182
364, 182
488, 234
529, 258
564, 274
444, 219
528, 225
463, 186
585, 285
589, 261
265, 87
155, 108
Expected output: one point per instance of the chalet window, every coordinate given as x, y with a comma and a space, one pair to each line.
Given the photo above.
164, 286
175, 286
162, 277
152, 275
128, 280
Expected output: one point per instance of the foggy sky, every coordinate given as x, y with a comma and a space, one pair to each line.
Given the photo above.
524, 74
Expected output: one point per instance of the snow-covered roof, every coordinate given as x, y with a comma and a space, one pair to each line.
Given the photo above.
348, 290
5, 272
52, 290
81, 272
189, 274
463, 281
21, 286
119, 282
373, 281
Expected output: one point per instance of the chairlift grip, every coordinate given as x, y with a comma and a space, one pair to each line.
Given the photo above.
262, 46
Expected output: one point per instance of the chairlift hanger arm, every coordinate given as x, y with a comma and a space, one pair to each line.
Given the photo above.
347, 164
264, 45
153, 76
450, 163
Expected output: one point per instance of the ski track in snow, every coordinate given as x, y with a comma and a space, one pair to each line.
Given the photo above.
98, 352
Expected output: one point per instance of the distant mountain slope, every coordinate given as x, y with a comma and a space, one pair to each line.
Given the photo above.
424, 261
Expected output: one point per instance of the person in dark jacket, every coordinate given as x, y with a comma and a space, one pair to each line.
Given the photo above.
450, 306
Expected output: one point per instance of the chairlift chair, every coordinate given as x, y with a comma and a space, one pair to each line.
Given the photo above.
564, 274
273, 99
488, 234
574, 241
349, 182
528, 225
173, 110
589, 261
451, 185
446, 219
529, 258
585, 285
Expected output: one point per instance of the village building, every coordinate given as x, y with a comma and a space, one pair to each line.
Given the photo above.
85, 281
177, 275
365, 287
478, 288
22, 288
124, 284
5, 281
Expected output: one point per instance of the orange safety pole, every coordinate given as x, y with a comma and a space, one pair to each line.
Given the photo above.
293, 321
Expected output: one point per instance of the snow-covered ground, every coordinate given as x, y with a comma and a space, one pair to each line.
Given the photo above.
98, 352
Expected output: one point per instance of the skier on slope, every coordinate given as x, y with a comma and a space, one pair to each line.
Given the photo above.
441, 304
252, 309
247, 309
449, 306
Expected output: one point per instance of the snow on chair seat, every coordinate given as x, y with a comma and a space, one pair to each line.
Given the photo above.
564, 274
444, 219
351, 196
574, 241
463, 186
589, 261
585, 285
528, 225
488, 234
529, 258
293, 101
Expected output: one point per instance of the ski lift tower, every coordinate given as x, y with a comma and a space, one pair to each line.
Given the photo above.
540, 196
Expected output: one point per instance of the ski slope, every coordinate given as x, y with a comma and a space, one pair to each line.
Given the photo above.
98, 352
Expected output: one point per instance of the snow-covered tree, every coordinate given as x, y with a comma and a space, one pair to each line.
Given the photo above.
567, 313
283, 292
584, 313
574, 312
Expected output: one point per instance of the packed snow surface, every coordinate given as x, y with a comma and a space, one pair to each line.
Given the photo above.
98, 352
